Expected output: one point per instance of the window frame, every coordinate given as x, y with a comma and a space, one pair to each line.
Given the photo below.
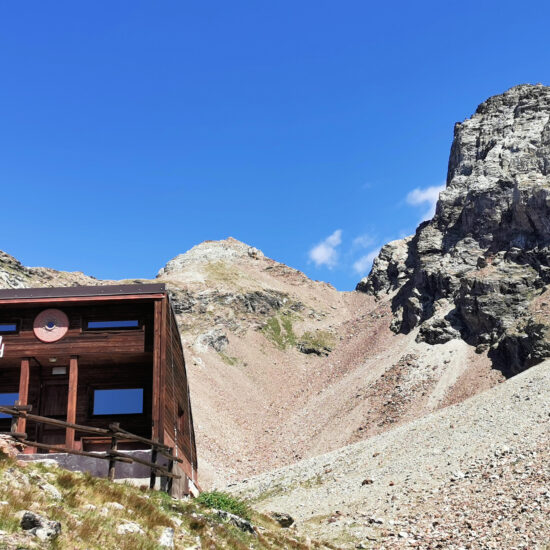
16, 323
86, 321
91, 402
3, 416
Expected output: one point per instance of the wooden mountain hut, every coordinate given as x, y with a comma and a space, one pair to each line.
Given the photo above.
95, 356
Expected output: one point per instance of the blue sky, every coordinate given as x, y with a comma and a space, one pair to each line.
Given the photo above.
316, 131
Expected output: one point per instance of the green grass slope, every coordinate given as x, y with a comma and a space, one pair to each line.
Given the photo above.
91, 512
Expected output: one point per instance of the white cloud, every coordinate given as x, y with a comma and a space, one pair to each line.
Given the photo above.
362, 265
325, 252
363, 241
429, 196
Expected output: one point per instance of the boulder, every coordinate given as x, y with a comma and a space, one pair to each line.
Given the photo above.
7, 446
39, 526
240, 523
50, 490
129, 527
114, 506
166, 539
284, 520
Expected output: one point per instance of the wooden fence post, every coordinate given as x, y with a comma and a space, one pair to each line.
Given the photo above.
169, 480
153, 478
24, 379
112, 462
71, 401
15, 419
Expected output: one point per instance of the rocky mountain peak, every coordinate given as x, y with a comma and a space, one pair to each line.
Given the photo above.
227, 251
479, 269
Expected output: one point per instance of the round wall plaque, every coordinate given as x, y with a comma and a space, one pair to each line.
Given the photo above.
51, 325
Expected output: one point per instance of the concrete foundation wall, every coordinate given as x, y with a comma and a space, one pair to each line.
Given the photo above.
99, 467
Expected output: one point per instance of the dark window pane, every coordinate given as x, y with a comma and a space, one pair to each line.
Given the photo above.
8, 327
113, 324
8, 399
124, 401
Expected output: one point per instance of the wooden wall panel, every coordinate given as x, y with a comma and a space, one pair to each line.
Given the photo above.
157, 368
54, 390
92, 377
176, 395
79, 341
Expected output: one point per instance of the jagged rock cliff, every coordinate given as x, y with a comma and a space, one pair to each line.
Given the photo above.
480, 269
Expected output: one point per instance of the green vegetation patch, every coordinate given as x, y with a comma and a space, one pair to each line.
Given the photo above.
273, 491
228, 359
279, 330
224, 501
320, 342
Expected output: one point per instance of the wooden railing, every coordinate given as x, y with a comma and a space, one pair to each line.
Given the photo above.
113, 455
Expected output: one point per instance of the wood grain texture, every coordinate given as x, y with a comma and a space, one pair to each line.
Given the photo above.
24, 390
72, 402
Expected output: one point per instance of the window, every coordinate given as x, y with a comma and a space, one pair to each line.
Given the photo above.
112, 325
8, 328
8, 399
121, 401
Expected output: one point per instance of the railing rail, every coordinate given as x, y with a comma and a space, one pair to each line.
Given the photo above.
113, 455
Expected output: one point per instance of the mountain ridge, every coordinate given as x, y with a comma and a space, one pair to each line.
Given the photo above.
276, 359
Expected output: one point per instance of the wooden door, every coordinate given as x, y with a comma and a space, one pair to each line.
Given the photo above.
53, 404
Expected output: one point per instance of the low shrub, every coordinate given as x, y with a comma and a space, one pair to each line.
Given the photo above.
226, 502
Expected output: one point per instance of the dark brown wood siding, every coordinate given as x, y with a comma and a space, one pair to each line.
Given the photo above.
177, 413
79, 341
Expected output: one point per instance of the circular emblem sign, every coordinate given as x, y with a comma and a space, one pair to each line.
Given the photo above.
51, 325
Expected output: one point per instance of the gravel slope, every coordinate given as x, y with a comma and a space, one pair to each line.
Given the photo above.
394, 483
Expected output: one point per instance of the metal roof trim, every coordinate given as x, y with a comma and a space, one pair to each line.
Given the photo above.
82, 291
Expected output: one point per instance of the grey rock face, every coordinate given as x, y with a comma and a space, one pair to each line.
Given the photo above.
486, 252
390, 269
215, 338
12, 273
438, 330
262, 302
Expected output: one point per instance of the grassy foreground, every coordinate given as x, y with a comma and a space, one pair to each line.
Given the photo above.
91, 512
